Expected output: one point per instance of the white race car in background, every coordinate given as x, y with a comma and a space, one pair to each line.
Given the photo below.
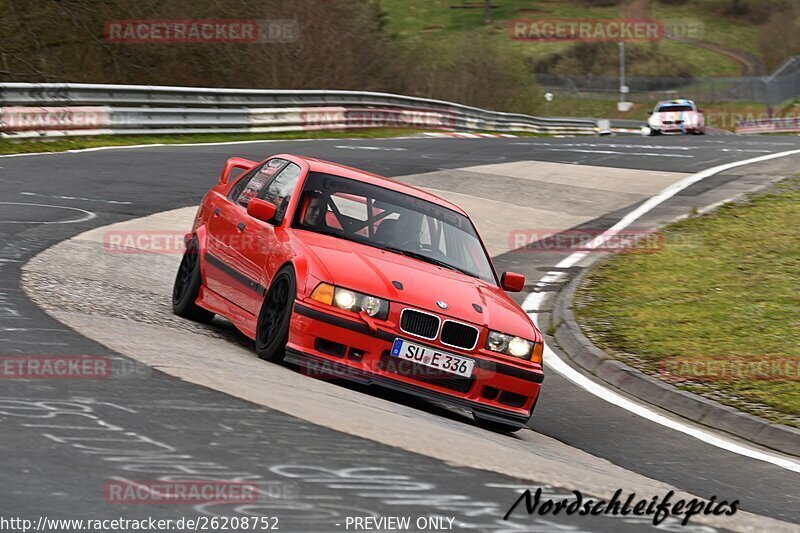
675, 117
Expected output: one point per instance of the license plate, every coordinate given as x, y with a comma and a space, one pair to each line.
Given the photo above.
433, 358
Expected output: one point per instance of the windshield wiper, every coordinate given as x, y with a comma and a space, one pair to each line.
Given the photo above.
427, 259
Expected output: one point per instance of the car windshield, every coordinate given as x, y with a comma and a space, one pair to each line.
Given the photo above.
674, 108
392, 221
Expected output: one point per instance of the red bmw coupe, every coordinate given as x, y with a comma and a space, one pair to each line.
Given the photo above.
334, 268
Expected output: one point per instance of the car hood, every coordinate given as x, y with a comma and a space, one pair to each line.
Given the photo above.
371, 270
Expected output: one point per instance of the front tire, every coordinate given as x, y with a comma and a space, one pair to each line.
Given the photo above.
187, 286
272, 329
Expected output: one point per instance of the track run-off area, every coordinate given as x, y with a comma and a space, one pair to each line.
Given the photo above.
194, 400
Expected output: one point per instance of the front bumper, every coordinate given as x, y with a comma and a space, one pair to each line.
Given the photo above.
329, 345
677, 130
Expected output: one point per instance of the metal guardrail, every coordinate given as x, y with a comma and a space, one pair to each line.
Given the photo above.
50, 109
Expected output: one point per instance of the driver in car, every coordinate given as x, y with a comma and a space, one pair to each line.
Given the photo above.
407, 231
316, 209
401, 232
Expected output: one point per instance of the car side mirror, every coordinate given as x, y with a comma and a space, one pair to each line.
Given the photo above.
512, 282
261, 210
234, 162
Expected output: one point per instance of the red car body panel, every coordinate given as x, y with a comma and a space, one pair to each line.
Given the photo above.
239, 255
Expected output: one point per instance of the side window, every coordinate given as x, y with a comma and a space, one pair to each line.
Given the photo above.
253, 182
280, 190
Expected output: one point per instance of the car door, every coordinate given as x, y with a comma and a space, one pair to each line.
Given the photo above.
262, 244
229, 274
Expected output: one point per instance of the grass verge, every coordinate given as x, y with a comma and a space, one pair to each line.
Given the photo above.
61, 144
723, 290
440, 20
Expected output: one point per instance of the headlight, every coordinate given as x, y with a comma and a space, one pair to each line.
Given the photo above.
373, 306
519, 347
344, 298
509, 345
351, 300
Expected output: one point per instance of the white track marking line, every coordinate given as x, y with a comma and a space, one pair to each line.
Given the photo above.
639, 146
59, 197
354, 147
533, 302
744, 150
87, 216
31, 329
613, 152
612, 145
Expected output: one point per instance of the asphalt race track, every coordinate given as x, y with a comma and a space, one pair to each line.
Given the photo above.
57, 457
